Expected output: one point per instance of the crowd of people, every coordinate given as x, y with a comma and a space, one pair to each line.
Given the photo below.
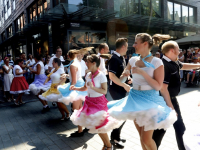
82, 80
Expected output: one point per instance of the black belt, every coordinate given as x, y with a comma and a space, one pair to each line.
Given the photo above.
173, 97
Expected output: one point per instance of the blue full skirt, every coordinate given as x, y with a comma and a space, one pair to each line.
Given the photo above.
71, 95
147, 108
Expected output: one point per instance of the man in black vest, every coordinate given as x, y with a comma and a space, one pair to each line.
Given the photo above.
116, 66
171, 89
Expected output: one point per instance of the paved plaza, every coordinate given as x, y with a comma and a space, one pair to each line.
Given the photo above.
26, 128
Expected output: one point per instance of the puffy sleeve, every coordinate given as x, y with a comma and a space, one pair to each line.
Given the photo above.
103, 78
157, 62
132, 61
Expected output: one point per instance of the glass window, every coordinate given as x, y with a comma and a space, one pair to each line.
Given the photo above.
21, 22
18, 24
170, 11
133, 7
184, 14
156, 6
78, 39
34, 12
40, 8
75, 2
177, 12
191, 15
45, 5
96, 38
145, 7
31, 14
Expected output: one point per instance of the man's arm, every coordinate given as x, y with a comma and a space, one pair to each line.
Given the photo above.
187, 66
165, 93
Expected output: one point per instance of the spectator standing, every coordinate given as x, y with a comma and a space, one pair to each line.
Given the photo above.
46, 67
19, 85
189, 56
11, 62
31, 63
1, 75
196, 54
57, 55
103, 49
8, 77
157, 55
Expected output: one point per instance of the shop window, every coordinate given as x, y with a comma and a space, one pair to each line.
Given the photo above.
40, 7
20, 22
177, 12
34, 12
191, 15
9, 31
156, 7
30, 14
76, 2
3, 36
83, 39
145, 7
13, 4
185, 14
170, 11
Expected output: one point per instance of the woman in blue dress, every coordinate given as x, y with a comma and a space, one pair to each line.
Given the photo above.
143, 105
73, 96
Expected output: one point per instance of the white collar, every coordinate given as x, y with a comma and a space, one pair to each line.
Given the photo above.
98, 54
117, 53
166, 58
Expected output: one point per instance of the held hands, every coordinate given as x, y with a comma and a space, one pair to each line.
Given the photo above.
64, 76
126, 87
55, 87
126, 73
72, 87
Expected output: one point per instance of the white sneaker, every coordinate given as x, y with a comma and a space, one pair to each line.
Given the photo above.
27, 93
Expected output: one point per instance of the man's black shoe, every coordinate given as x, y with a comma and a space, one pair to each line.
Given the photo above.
77, 134
123, 140
117, 144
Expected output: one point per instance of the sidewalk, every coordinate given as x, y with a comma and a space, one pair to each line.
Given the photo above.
25, 128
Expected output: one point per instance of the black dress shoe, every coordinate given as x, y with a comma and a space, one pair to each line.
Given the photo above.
123, 140
77, 134
117, 144
86, 130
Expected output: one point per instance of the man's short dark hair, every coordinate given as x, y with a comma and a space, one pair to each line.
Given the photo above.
120, 42
102, 45
58, 47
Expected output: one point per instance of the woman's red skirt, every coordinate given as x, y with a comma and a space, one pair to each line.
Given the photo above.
19, 85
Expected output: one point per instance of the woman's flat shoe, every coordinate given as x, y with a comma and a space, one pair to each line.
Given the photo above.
69, 115
77, 134
17, 104
22, 103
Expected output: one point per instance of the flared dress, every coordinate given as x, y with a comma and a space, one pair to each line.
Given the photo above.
19, 83
94, 113
146, 107
69, 96
38, 84
52, 94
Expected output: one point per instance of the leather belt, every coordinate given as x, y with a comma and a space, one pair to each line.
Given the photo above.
142, 87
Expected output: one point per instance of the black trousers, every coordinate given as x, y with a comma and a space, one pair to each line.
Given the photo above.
116, 95
179, 128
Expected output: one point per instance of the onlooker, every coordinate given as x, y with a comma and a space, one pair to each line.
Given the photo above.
193, 73
31, 61
11, 62
196, 54
157, 54
189, 56
84, 68
57, 55
8, 77
46, 67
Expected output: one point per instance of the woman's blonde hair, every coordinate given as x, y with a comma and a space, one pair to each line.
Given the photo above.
72, 53
154, 40
168, 45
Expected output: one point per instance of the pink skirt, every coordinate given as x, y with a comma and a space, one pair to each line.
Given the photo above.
94, 116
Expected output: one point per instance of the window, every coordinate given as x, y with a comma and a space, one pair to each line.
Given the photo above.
185, 14
191, 15
40, 7
9, 31
145, 7
177, 12
13, 4
170, 11
3, 36
20, 22
181, 13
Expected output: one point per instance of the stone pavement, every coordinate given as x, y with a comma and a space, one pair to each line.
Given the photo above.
25, 128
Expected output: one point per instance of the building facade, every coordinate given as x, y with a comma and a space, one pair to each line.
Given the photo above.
39, 26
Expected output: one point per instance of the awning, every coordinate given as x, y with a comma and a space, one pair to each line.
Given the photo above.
194, 39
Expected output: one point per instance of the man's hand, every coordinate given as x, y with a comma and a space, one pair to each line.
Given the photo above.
126, 73
126, 87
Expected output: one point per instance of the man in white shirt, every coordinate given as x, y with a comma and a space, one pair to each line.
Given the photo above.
84, 68
103, 49
57, 55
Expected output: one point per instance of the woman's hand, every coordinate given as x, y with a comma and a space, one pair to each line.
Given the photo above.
137, 70
11, 67
24, 71
64, 76
126, 73
90, 84
126, 87
71, 87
